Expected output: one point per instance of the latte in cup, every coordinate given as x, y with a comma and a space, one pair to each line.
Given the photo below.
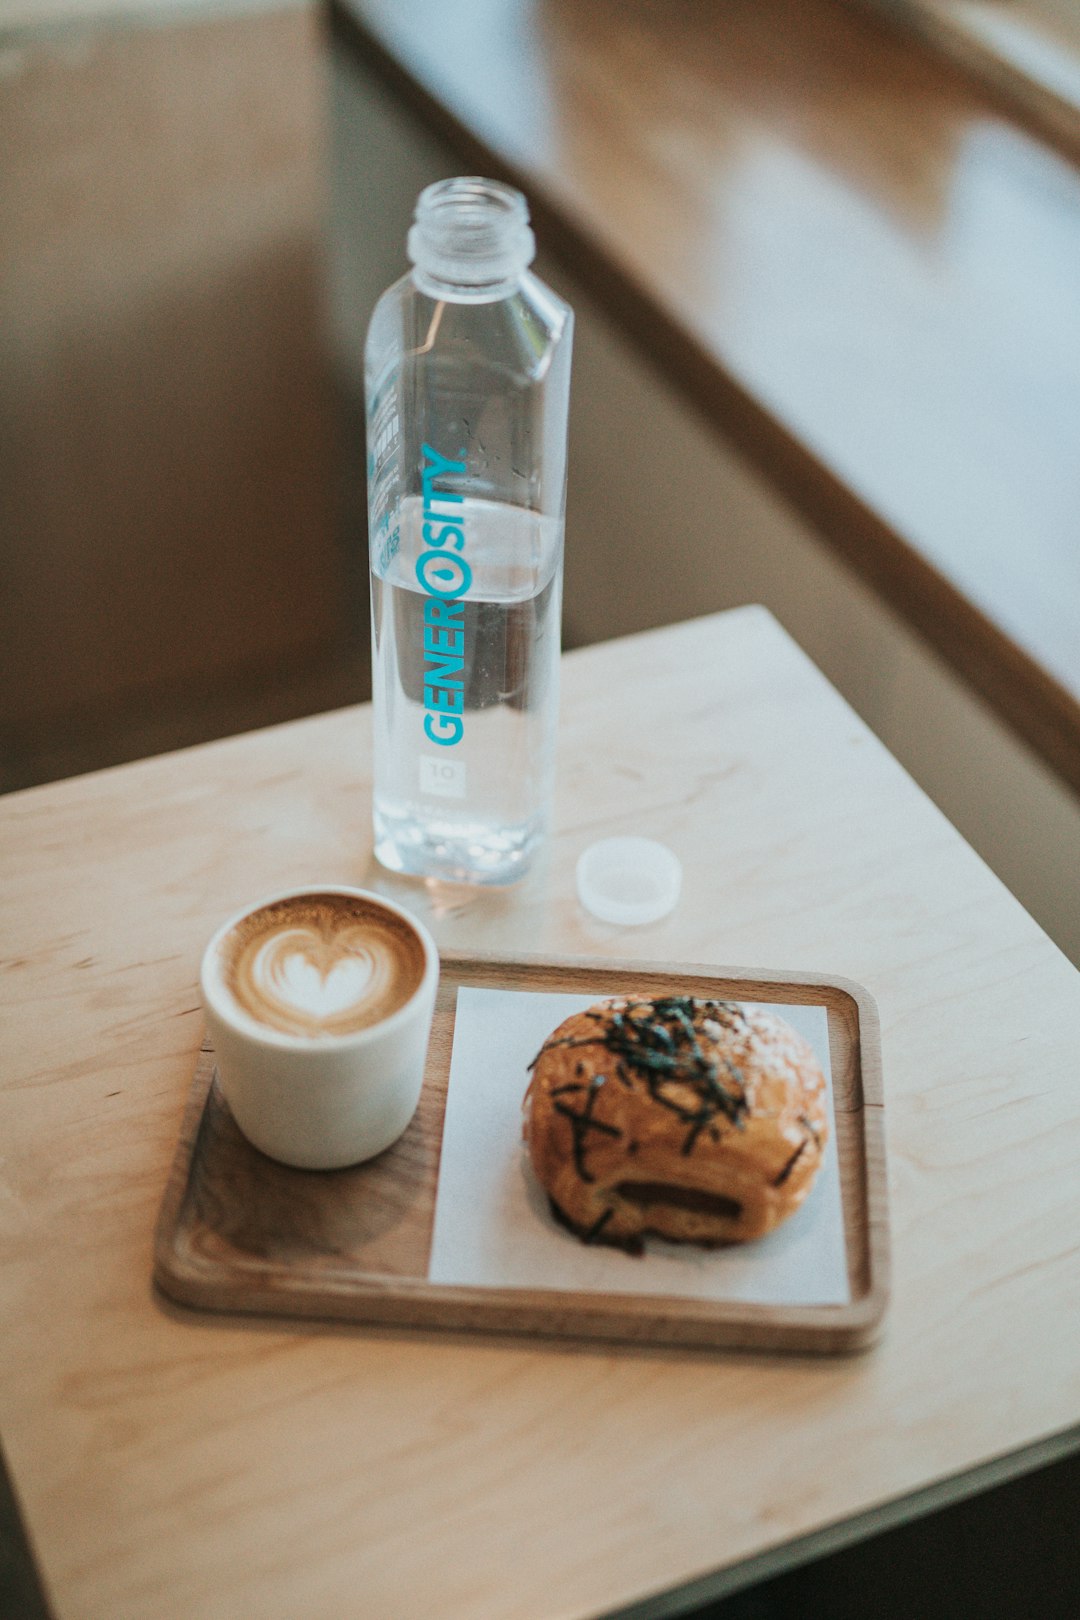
319, 1005
323, 963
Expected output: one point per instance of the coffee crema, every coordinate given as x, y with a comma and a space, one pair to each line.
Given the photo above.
321, 964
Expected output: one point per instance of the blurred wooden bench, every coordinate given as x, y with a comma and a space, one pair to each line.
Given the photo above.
842, 252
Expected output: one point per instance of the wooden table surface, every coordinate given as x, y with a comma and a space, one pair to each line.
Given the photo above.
838, 247
172, 1464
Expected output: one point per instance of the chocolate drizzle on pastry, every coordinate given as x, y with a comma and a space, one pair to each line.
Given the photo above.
778, 1181
582, 1121
690, 1120
661, 1043
634, 1242
593, 1233
647, 1193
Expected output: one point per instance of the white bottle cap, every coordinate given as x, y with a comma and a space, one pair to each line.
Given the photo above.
629, 880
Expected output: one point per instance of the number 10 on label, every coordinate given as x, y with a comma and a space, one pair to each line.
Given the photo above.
445, 778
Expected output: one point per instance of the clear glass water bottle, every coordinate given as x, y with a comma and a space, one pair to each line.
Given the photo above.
467, 379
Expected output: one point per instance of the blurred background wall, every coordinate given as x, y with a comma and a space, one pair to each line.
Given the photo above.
199, 205
665, 521
171, 557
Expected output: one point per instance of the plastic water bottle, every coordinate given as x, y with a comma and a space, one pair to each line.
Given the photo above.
467, 382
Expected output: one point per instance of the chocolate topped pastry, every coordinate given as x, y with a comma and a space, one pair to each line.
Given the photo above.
691, 1120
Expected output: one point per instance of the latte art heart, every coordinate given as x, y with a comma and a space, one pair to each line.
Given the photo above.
322, 964
293, 969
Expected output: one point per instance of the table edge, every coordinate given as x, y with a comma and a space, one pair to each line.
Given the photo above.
834, 1538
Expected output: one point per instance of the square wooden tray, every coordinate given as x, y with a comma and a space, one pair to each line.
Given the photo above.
239, 1232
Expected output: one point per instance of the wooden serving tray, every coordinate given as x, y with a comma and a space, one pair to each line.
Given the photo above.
240, 1232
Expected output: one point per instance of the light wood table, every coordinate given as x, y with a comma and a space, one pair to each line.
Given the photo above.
202, 1468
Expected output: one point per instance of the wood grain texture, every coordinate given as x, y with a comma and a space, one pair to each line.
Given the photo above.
842, 252
238, 1232
197, 1467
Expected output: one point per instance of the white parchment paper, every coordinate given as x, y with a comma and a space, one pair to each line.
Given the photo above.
493, 1227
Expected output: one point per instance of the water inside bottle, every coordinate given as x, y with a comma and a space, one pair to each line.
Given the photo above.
473, 810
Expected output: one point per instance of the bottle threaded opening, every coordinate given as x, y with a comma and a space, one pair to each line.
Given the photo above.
471, 233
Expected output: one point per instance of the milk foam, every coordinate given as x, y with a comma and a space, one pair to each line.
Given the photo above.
321, 964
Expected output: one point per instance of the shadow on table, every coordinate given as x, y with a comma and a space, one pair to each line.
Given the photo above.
21, 1596
1006, 1554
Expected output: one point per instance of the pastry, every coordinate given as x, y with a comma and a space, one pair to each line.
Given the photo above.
692, 1120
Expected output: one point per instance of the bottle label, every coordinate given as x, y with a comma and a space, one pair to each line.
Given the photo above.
443, 776
384, 443
445, 576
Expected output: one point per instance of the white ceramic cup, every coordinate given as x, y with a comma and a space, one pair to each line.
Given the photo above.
320, 1102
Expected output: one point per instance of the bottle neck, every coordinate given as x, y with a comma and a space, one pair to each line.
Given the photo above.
471, 241
452, 292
